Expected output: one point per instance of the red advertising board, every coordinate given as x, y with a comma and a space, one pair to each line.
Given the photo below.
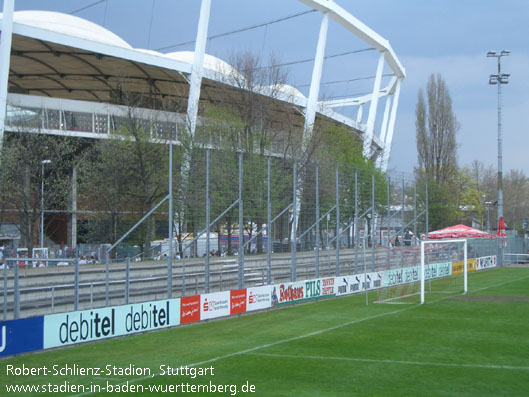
237, 301
189, 309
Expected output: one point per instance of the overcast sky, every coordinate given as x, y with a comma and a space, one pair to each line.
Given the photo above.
450, 37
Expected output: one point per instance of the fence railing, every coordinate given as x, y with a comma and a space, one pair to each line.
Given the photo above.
29, 291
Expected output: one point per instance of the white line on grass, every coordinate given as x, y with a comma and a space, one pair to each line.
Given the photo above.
253, 349
246, 351
295, 338
498, 285
368, 360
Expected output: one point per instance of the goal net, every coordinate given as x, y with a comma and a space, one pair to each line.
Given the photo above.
436, 267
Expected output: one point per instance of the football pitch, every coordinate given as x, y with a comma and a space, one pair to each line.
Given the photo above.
476, 344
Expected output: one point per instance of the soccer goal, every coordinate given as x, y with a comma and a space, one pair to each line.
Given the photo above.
437, 267
444, 267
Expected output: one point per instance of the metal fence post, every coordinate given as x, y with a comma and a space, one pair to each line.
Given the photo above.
241, 228
184, 273
389, 210
16, 298
415, 210
5, 290
337, 223
206, 270
317, 222
170, 231
402, 214
76, 285
293, 237
388, 223
106, 277
127, 280
426, 231
373, 256
269, 225
356, 239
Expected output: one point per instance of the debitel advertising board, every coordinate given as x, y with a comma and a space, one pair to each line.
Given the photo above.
88, 325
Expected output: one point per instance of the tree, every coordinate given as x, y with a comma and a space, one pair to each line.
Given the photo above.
246, 120
128, 172
103, 185
516, 205
436, 129
21, 178
470, 197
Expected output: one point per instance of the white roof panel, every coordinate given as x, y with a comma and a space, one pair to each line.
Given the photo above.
69, 25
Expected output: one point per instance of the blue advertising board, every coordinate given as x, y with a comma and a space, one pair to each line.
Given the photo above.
21, 336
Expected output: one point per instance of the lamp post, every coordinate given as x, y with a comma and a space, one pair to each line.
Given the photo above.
42, 201
488, 214
499, 79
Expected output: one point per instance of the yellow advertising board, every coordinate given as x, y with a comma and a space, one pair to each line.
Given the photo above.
458, 266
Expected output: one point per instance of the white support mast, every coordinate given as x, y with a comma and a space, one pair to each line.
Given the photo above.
5, 57
310, 112
198, 67
391, 128
370, 130
317, 71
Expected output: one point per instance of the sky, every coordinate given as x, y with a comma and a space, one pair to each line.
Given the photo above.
449, 37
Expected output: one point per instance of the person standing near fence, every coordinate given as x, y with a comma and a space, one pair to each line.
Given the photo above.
407, 238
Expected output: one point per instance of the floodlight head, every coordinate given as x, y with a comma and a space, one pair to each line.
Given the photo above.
493, 81
491, 53
45, 162
505, 52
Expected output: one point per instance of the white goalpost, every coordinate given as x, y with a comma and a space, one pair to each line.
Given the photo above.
436, 264
436, 267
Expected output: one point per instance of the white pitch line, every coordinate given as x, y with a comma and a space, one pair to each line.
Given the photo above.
295, 338
214, 359
246, 351
368, 360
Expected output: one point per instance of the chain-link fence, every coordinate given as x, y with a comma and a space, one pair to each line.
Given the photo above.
248, 220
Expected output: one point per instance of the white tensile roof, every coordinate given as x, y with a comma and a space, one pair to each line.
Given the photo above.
69, 25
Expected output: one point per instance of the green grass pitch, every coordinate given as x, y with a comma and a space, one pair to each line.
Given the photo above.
336, 347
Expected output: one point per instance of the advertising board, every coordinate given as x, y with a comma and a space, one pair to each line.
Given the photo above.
83, 326
214, 305
21, 336
237, 301
486, 262
189, 309
259, 298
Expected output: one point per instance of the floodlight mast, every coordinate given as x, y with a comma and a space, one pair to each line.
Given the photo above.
499, 79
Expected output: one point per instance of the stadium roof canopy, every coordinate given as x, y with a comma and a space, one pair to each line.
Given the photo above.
60, 55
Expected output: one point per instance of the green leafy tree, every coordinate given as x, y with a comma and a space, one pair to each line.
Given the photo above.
128, 174
337, 148
21, 179
436, 129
